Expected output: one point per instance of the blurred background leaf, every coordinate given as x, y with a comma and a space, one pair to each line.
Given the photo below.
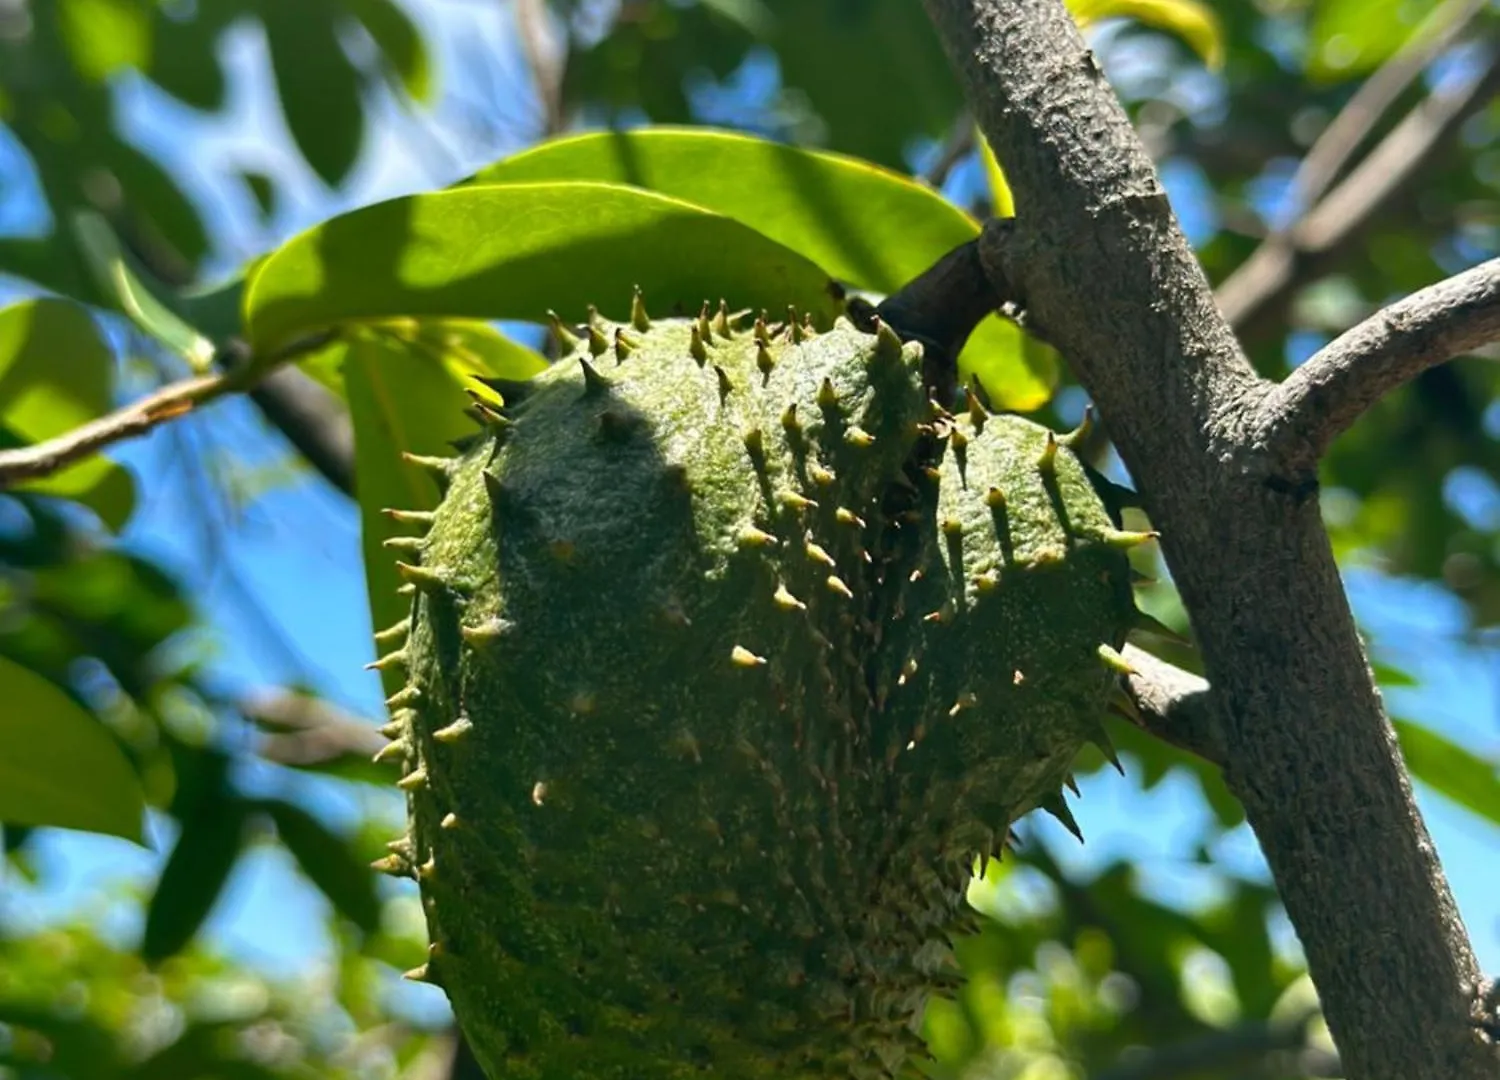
211, 617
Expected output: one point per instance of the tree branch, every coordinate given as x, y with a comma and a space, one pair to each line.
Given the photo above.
1343, 137
312, 421
958, 145
1101, 266
1174, 705
546, 70
1309, 245
139, 417
1218, 1052
1328, 393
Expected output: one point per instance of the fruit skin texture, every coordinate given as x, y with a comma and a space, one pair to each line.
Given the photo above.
729, 654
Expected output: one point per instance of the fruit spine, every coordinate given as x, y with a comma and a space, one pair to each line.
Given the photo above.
729, 652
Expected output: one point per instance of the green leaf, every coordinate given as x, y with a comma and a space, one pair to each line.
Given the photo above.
907, 89
400, 41
263, 190
105, 35
57, 373
122, 282
61, 766
184, 61
152, 197
512, 251
319, 88
1002, 202
462, 347
1351, 37
328, 862
1450, 769
403, 397
865, 225
213, 835
215, 308
1194, 22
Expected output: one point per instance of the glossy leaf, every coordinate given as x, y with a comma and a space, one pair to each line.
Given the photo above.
61, 766
212, 837
56, 373
1002, 202
865, 225
1451, 770
328, 862
461, 347
513, 251
1193, 22
121, 281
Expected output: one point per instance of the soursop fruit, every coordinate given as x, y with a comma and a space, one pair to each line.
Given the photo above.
730, 651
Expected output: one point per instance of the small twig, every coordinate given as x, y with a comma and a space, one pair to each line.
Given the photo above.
959, 145
1174, 705
312, 420
1299, 251
140, 417
940, 307
546, 72
306, 731
1324, 396
1357, 120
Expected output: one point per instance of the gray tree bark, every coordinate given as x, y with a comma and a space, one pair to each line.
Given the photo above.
1097, 261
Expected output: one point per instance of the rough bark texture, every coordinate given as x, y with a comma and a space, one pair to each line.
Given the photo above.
1335, 387
1098, 262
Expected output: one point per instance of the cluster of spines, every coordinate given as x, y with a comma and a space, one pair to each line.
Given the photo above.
405, 705
707, 331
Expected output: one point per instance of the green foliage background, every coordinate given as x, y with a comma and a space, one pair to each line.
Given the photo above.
110, 707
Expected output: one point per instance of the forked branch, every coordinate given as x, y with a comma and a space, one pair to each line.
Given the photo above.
1324, 396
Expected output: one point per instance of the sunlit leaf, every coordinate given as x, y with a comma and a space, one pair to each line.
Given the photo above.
404, 396
462, 347
55, 374
212, 837
328, 862
865, 225
1350, 37
1451, 770
131, 295
105, 35
61, 766
1192, 21
513, 251
1002, 202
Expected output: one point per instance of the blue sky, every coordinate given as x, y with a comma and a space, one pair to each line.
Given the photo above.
280, 577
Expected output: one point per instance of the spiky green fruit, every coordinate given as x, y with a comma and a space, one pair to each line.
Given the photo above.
727, 657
